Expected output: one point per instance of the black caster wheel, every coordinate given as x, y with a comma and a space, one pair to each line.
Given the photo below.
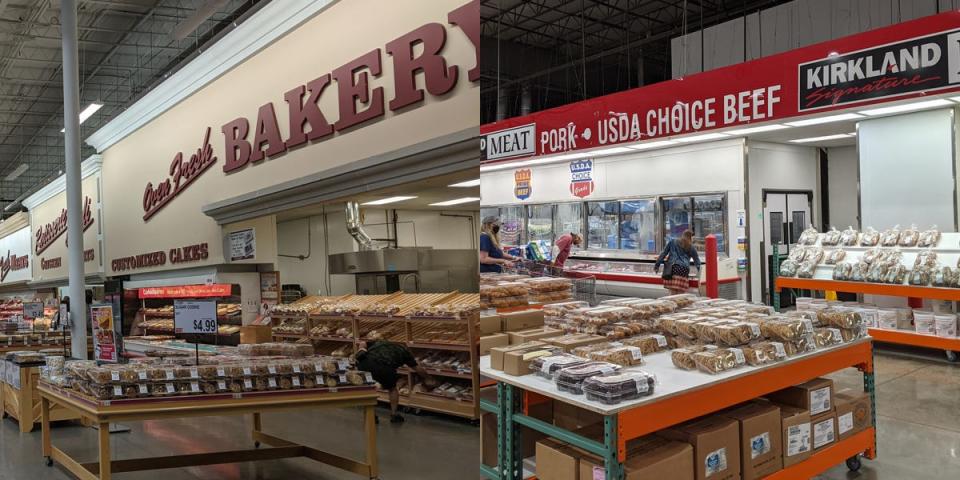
952, 356
256, 444
49, 461
853, 463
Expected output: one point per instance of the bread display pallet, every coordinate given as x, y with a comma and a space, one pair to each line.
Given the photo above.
679, 398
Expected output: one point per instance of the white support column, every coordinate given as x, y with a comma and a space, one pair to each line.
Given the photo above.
71, 122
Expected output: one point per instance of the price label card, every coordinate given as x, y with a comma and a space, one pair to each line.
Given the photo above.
195, 316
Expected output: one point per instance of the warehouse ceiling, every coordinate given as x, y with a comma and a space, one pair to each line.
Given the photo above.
564, 51
126, 48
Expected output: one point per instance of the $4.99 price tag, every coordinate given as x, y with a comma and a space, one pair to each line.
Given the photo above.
195, 316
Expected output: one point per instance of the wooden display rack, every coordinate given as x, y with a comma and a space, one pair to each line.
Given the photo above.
23, 403
634, 419
103, 413
403, 328
900, 337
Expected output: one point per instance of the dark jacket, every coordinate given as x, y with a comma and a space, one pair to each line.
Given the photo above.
675, 254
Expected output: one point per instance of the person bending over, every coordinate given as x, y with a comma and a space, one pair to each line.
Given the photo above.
382, 359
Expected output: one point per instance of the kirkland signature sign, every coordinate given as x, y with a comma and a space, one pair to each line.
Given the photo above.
925, 63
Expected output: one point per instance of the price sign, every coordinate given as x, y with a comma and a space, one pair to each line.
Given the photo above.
195, 316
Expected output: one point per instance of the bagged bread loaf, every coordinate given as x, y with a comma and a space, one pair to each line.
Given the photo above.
831, 237
626, 356
764, 352
808, 237
840, 318
909, 237
719, 360
843, 271
920, 276
929, 238
825, 337
789, 268
683, 357
891, 237
870, 237
849, 237
647, 344
807, 269
943, 277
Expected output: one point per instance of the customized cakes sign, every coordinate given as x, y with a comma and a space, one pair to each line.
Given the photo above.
522, 179
581, 178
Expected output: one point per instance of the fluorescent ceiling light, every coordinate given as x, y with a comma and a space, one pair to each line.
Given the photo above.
612, 151
765, 128
17, 172
87, 113
456, 201
384, 201
538, 161
468, 183
823, 139
832, 118
704, 137
908, 107
648, 145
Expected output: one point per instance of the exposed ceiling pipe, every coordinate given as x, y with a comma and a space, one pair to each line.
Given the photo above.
355, 228
191, 23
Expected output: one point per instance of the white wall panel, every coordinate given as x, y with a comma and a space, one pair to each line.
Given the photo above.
774, 166
842, 186
778, 29
723, 44
689, 47
752, 36
911, 9
907, 170
814, 21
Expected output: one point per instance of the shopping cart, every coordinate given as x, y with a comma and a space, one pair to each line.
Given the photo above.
584, 284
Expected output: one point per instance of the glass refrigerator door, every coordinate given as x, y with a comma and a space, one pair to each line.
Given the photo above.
602, 220
568, 217
540, 226
638, 225
708, 219
677, 217
512, 227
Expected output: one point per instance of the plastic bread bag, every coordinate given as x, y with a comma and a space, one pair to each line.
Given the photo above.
789, 268
943, 277
736, 334
839, 318
625, 356
618, 387
807, 269
859, 272
683, 357
834, 257
647, 343
926, 258
909, 237
786, 329
808, 237
920, 276
929, 238
687, 328
843, 271
719, 360
815, 255
871, 255
849, 237
761, 353
870, 238
825, 337
831, 237
897, 275
891, 237
797, 254
876, 272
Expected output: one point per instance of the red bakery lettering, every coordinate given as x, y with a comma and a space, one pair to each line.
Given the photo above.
437, 77
266, 133
353, 85
306, 113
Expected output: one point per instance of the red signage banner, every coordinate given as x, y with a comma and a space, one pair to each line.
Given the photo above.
187, 291
902, 61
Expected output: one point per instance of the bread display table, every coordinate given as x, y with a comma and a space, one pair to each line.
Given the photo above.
102, 413
21, 400
679, 397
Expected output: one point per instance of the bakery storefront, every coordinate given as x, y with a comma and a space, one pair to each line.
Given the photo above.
15, 272
291, 168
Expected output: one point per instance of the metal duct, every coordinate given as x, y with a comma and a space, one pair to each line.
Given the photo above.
355, 228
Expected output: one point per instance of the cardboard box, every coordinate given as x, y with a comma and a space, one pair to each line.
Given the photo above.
824, 430
796, 433
815, 396
256, 333
650, 457
490, 324
569, 342
853, 412
497, 353
557, 461
761, 445
716, 446
521, 320
523, 336
488, 342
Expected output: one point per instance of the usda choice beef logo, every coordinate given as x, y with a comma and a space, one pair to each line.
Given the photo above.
522, 188
925, 63
581, 181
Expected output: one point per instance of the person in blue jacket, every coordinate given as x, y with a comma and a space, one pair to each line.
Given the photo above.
677, 257
492, 256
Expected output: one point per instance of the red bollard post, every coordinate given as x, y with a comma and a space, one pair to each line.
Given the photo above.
713, 287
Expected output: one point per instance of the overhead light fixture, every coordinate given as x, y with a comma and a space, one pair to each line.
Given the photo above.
468, 183
748, 131
908, 107
823, 139
384, 201
537, 161
611, 151
820, 120
456, 201
17, 172
703, 138
87, 113
649, 145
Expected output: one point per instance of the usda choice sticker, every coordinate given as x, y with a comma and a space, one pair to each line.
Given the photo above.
716, 461
759, 445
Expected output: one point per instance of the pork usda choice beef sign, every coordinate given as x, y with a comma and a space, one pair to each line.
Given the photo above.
925, 63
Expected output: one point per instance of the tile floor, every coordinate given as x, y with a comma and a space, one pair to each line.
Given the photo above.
918, 417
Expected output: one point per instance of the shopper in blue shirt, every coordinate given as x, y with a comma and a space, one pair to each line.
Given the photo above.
492, 256
678, 256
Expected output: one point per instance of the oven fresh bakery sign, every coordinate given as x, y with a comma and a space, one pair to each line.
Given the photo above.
47, 234
521, 185
581, 178
926, 63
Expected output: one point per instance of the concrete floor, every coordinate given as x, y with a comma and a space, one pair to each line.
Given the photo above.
918, 418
